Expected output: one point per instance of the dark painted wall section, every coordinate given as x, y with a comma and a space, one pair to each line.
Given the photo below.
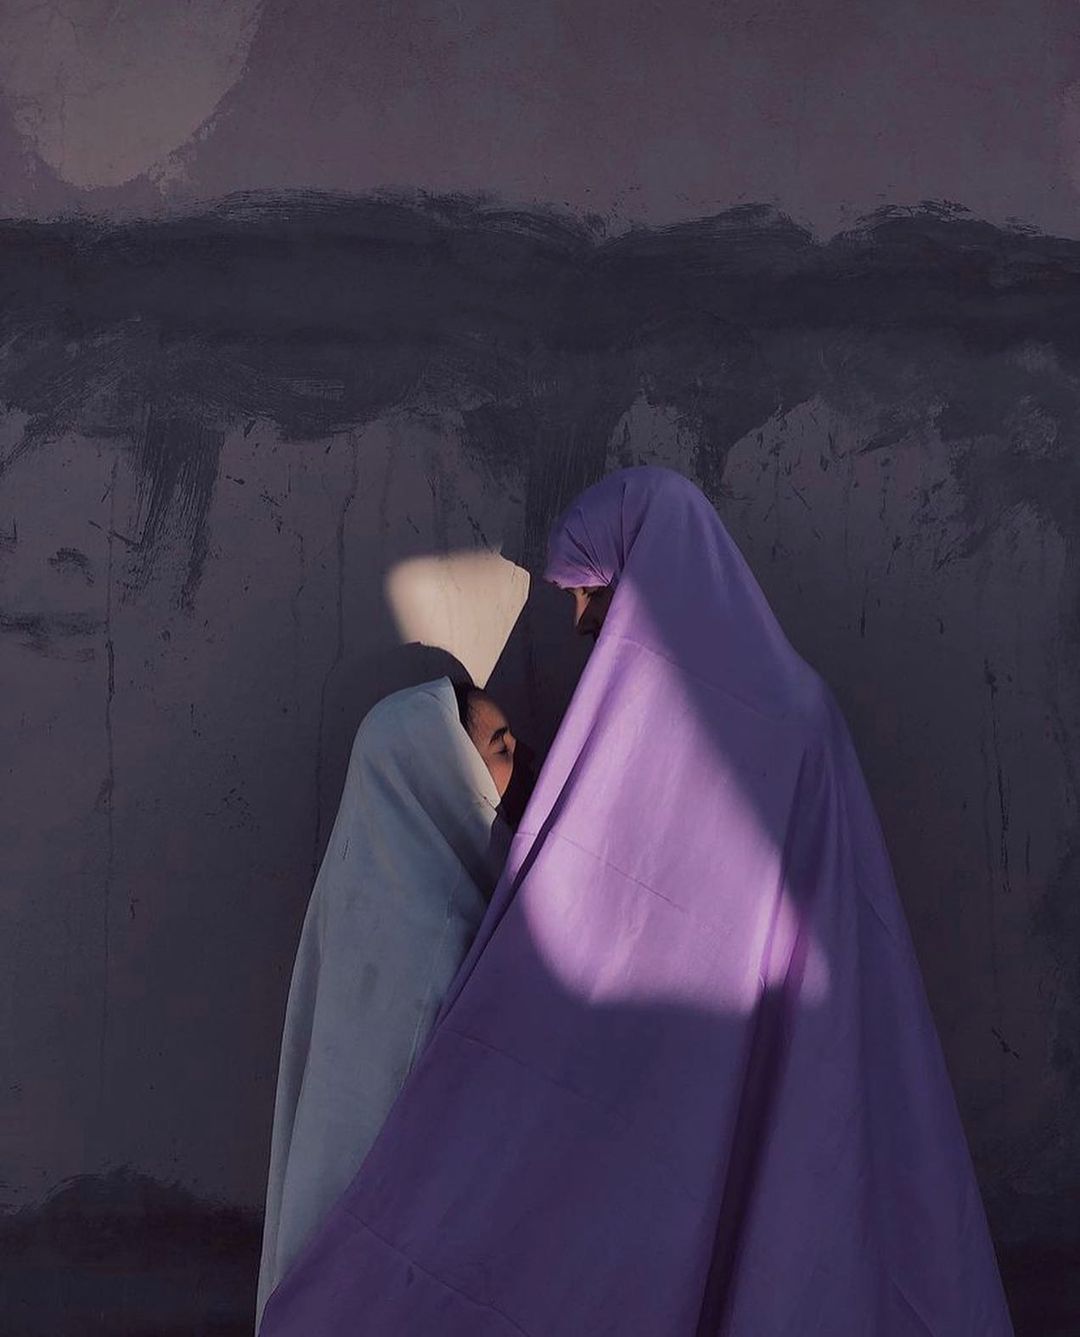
221, 433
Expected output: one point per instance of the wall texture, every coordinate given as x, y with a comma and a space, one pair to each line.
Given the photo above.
262, 461
629, 109
224, 433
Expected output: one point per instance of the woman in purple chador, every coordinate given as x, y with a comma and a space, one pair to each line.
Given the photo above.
686, 1083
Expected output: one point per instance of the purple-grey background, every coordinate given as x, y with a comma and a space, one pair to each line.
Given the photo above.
225, 426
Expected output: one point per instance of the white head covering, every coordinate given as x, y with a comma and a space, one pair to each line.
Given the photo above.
413, 857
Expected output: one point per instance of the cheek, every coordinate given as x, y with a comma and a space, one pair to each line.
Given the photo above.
501, 768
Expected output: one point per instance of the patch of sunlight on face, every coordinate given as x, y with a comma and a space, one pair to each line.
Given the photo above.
463, 602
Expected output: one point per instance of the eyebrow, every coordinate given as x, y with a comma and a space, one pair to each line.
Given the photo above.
498, 734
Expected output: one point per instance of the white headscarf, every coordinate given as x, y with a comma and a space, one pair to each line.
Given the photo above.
412, 860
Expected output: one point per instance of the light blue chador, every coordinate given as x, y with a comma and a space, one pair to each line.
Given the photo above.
411, 863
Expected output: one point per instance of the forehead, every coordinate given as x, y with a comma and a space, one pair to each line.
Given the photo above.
487, 717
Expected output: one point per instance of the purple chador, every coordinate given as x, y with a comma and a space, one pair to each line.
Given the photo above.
687, 1082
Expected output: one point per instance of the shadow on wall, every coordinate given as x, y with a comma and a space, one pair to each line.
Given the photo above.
535, 336
108, 1255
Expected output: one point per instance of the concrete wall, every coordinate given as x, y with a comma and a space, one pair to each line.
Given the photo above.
628, 109
250, 455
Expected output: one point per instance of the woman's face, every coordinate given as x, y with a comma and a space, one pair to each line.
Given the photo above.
591, 604
490, 732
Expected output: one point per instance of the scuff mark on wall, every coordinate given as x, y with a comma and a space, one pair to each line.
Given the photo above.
339, 648
46, 635
106, 802
71, 560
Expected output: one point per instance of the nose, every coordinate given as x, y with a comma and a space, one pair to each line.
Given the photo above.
511, 743
581, 604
